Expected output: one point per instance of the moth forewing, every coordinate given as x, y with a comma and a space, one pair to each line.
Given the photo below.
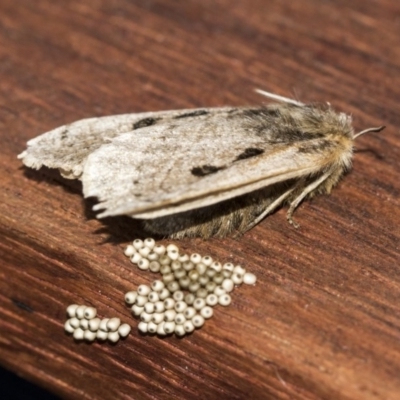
67, 147
275, 164
173, 205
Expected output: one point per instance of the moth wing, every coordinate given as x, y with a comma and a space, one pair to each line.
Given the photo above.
171, 168
66, 148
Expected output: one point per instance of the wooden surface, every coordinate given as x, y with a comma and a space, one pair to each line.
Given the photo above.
323, 321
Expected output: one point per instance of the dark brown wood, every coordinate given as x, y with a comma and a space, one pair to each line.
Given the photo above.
323, 321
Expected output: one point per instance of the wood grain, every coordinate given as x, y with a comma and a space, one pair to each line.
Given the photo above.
323, 321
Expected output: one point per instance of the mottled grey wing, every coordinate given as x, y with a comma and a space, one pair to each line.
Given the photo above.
182, 165
67, 147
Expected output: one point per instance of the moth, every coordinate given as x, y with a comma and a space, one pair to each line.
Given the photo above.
202, 172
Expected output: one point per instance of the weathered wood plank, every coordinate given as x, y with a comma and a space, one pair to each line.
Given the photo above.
323, 320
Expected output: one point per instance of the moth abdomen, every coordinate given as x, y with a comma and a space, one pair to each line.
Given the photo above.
219, 220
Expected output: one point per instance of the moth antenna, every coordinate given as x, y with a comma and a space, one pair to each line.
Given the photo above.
279, 98
377, 129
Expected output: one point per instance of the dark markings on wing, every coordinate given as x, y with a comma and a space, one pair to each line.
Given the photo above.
299, 135
248, 153
143, 123
192, 114
292, 135
279, 126
260, 112
204, 170
315, 147
64, 134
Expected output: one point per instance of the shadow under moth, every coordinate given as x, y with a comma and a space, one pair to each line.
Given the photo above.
202, 172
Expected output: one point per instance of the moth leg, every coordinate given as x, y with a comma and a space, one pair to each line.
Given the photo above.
276, 203
294, 204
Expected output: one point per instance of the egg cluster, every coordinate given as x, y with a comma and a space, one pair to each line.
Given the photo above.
84, 325
187, 292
